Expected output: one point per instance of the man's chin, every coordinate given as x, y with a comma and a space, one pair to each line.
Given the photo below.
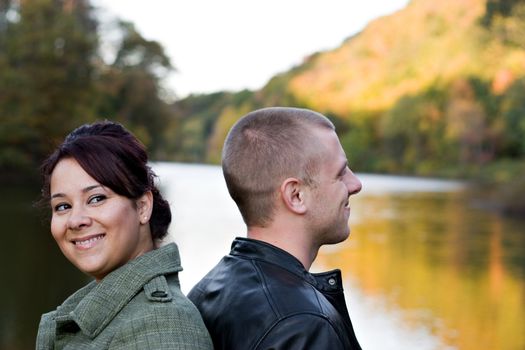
339, 238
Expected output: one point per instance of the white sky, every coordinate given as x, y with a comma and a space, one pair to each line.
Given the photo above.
234, 44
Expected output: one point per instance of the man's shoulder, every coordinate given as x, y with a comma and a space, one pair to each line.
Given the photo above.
230, 272
241, 282
290, 292
241, 296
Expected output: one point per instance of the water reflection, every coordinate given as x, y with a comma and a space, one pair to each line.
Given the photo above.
457, 270
425, 270
35, 275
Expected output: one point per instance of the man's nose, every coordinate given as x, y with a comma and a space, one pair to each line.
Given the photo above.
354, 184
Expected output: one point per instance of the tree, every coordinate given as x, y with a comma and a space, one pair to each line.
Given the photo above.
131, 88
505, 18
47, 61
412, 133
467, 124
513, 131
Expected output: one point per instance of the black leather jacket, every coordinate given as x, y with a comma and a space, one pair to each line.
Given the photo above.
261, 297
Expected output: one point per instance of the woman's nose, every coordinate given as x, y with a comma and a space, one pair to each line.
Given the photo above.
78, 219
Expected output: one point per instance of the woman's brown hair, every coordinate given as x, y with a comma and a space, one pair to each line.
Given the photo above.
115, 158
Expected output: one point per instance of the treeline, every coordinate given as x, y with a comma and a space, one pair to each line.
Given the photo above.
466, 121
446, 130
445, 97
53, 78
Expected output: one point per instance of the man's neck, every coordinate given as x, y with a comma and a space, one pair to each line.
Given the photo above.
292, 242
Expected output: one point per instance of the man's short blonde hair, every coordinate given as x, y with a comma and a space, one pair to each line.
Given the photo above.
264, 148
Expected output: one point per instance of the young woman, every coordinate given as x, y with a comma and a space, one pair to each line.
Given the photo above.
107, 215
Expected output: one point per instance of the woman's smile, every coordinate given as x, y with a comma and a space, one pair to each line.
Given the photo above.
88, 241
96, 229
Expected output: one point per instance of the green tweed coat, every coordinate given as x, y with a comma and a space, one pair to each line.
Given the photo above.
137, 306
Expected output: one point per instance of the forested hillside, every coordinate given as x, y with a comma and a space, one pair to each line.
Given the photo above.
52, 79
435, 89
451, 70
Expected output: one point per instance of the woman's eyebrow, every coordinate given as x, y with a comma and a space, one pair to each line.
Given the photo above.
89, 188
84, 190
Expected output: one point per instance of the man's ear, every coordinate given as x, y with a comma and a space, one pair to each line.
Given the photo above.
145, 207
292, 193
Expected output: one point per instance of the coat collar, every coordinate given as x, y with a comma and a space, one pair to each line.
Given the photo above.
330, 281
93, 307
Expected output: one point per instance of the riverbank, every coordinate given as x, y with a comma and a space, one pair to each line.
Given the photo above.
410, 237
500, 187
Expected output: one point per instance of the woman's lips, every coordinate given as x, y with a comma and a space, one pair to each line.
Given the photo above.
88, 241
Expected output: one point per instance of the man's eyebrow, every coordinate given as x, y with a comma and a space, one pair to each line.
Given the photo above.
343, 167
84, 190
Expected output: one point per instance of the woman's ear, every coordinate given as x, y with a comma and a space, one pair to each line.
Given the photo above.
292, 193
145, 207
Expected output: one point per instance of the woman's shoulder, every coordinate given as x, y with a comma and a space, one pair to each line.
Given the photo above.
159, 313
161, 297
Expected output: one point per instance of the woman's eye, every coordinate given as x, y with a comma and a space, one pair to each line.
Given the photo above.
96, 199
61, 207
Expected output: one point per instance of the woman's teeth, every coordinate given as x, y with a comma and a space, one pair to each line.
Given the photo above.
88, 241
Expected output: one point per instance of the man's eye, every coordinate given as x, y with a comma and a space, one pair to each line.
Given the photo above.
96, 199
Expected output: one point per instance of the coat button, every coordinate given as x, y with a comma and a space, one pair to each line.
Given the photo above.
159, 294
331, 281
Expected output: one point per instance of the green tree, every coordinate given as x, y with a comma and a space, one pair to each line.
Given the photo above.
412, 134
131, 88
505, 19
360, 142
513, 120
467, 124
47, 59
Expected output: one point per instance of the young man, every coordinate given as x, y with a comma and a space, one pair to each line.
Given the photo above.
288, 174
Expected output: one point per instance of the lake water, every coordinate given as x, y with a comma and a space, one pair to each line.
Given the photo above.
424, 267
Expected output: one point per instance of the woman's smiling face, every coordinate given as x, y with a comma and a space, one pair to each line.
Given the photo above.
96, 229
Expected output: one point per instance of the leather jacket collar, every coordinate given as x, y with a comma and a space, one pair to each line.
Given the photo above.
330, 281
